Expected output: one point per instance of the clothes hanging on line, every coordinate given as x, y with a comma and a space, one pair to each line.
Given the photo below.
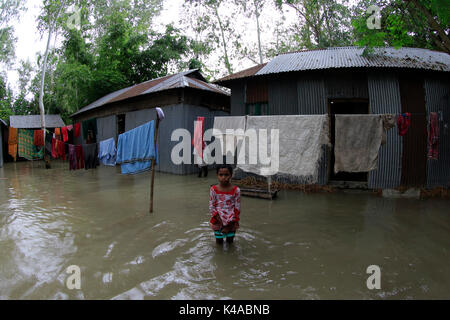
107, 152
72, 157
61, 149
26, 147
136, 149
13, 137
197, 141
301, 138
54, 149
12, 151
79, 157
389, 121
90, 156
357, 142
64, 134
403, 123
13, 141
77, 130
48, 143
39, 138
58, 149
433, 136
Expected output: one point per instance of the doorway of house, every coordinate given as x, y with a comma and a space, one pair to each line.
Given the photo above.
120, 124
345, 106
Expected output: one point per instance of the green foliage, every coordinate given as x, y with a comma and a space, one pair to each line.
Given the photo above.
5, 100
402, 24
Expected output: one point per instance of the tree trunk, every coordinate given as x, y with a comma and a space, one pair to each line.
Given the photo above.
259, 31
227, 61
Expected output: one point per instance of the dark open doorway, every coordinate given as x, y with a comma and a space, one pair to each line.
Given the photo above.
120, 124
345, 106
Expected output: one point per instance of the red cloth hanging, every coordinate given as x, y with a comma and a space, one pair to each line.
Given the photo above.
77, 130
62, 149
39, 138
403, 122
433, 136
54, 148
65, 134
197, 140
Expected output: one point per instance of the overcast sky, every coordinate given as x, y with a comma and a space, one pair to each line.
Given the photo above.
29, 40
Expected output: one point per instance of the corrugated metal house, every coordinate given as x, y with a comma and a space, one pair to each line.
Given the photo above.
344, 81
183, 97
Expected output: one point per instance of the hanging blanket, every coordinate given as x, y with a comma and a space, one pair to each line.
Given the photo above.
136, 149
39, 138
27, 149
13, 137
358, 141
300, 144
107, 152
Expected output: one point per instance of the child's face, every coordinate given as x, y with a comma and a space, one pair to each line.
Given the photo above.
224, 176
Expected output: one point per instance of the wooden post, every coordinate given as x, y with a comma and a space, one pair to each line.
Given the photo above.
153, 165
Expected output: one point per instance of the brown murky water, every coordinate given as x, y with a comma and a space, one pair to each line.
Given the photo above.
296, 247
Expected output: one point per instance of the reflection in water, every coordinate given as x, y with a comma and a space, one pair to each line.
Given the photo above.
299, 246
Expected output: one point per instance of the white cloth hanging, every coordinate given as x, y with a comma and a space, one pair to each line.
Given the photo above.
301, 138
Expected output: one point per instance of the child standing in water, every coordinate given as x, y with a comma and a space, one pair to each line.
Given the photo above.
224, 205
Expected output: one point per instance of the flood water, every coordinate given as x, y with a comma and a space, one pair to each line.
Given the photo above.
299, 246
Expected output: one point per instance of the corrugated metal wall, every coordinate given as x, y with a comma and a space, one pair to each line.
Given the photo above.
312, 99
346, 85
176, 116
282, 96
237, 99
384, 97
383, 92
437, 96
257, 90
311, 95
106, 128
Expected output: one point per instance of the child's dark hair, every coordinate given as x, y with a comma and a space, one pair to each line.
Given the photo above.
224, 166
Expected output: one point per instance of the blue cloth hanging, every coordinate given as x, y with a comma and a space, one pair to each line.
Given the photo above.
107, 152
136, 149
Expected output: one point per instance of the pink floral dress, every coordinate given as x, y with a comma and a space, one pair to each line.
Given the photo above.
225, 208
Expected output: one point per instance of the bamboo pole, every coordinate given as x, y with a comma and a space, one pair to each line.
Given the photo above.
153, 165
